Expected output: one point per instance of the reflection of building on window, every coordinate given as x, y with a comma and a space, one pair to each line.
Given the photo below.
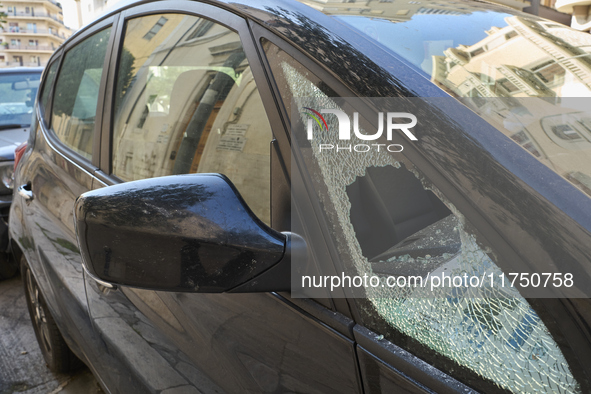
565, 132
508, 86
477, 51
525, 80
551, 73
426, 11
202, 28
510, 35
550, 63
583, 181
156, 28
569, 131
522, 139
183, 89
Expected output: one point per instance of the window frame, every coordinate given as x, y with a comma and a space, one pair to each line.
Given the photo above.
44, 109
217, 15
55, 143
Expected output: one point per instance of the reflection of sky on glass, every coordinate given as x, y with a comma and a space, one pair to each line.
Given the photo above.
424, 36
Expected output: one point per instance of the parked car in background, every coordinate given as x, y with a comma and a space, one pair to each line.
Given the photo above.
156, 228
18, 89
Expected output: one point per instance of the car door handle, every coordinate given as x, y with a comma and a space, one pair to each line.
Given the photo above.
25, 192
101, 284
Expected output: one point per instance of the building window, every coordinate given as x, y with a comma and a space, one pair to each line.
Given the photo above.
551, 74
27, 10
477, 51
508, 85
201, 29
565, 132
510, 35
156, 28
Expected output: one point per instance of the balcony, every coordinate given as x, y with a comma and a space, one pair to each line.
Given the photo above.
27, 48
18, 30
54, 3
35, 15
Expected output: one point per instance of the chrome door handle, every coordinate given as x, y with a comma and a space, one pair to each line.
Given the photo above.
101, 283
25, 192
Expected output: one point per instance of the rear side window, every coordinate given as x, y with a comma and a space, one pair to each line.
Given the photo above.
76, 93
50, 76
187, 102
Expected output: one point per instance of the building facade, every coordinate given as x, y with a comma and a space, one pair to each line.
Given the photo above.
532, 80
32, 31
580, 10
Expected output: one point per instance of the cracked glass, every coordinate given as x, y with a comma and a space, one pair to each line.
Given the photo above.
380, 230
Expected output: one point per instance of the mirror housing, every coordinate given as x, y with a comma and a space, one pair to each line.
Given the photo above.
186, 233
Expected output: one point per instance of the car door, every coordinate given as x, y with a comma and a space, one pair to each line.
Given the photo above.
189, 95
59, 168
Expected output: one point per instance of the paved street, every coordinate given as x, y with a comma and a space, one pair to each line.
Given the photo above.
22, 369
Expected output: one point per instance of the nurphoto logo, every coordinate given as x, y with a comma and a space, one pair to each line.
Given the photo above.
345, 130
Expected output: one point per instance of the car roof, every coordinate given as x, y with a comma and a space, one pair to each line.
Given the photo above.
16, 70
310, 26
330, 42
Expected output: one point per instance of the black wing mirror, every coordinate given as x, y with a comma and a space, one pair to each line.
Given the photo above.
180, 233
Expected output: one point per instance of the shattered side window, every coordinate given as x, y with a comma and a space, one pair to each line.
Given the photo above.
387, 219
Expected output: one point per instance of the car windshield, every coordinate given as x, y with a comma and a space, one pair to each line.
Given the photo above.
17, 96
416, 39
528, 77
473, 52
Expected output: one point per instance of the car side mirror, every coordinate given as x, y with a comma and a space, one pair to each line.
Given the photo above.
187, 233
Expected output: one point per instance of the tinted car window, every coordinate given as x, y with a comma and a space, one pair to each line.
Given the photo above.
186, 102
388, 220
76, 93
17, 95
46, 89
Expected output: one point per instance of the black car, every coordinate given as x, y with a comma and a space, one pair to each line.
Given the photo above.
18, 89
282, 196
